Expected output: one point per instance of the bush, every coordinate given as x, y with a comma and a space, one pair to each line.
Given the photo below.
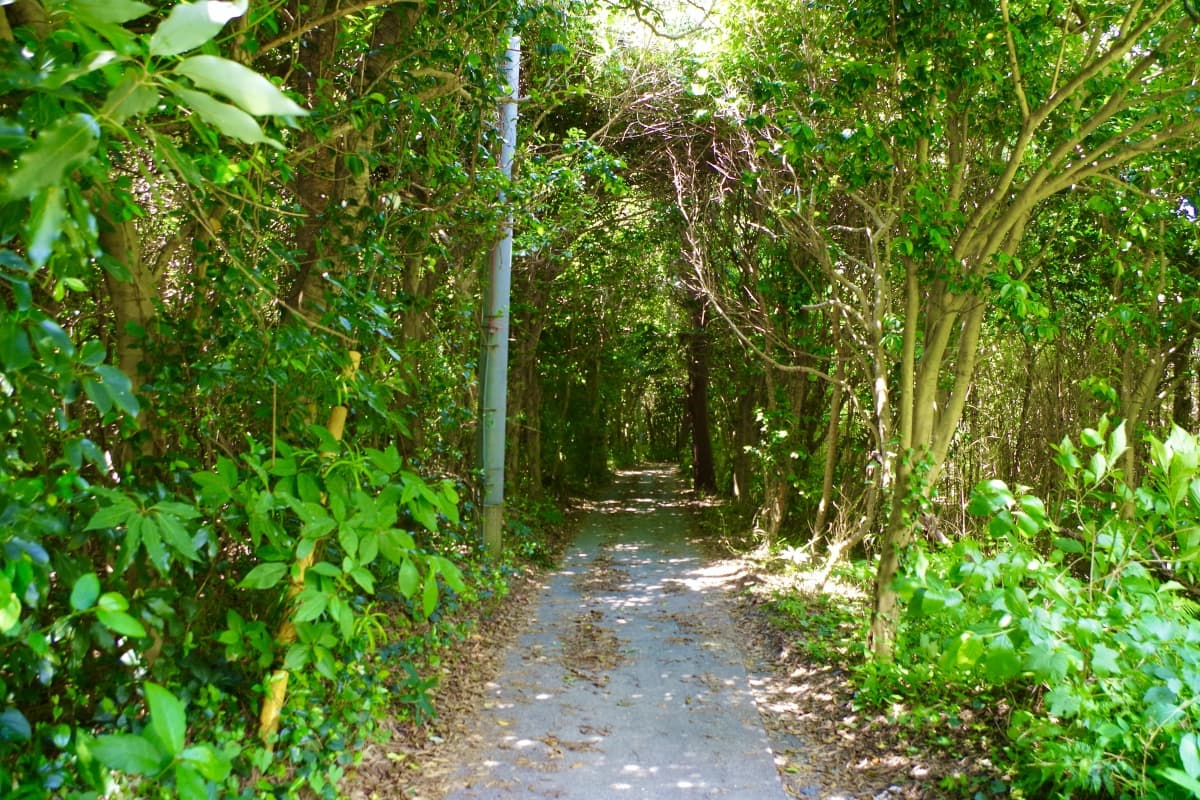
1086, 621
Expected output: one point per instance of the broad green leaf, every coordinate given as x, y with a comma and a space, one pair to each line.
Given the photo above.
57, 150
15, 352
210, 763
110, 517
297, 657
168, 718
1062, 702
176, 536
409, 579
119, 388
120, 622
97, 394
189, 783
264, 576
46, 217
364, 579
10, 605
1104, 660
250, 91
1001, 662
145, 531
127, 753
429, 596
1182, 779
989, 497
177, 509
113, 601
54, 336
229, 120
324, 662
396, 545
190, 25
85, 592
108, 11
130, 98
14, 727
312, 606
348, 539
1189, 754
449, 572
343, 615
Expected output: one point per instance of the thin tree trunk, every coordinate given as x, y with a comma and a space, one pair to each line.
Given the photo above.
704, 475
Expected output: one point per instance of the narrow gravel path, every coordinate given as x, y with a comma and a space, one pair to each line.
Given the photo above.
630, 680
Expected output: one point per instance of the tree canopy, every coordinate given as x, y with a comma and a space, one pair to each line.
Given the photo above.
910, 283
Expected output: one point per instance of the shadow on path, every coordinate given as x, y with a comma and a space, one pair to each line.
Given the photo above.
630, 681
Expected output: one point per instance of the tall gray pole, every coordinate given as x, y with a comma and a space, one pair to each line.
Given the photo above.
495, 355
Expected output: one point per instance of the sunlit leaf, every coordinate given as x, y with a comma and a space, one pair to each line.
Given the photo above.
47, 215
229, 120
58, 149
190, 25
127, 753
249, 90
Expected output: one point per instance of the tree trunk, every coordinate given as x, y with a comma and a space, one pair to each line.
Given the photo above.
704, 474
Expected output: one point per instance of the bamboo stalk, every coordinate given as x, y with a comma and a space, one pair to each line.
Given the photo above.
277, 682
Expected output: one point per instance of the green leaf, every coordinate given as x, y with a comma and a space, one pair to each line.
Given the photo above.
15, 352
229, 120
177, 509
450, 573
990, 497
120, 622
189, 784
1182, 779
168, 718
57, 150
264, 576
429, 596
85, 592
145, 531
396, 545
10, 605
250, 91
113, 601
211, 764
190, 25
177, 536
127, 753
409, 579
1189, 754
109, 11
1104, 660
119, 388
130, 98
14, 727
312, 606
1062, 702
364, 579
45, 224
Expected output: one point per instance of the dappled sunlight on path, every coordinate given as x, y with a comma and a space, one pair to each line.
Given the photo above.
630, 681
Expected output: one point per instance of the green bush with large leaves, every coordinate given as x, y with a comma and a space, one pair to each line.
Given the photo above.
1084, 619
168, 505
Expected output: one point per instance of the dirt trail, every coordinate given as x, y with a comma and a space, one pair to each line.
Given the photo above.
630, 680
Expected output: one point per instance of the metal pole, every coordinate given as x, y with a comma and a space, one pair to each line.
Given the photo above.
495, 366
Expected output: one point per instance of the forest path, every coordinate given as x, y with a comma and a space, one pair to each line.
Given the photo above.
630, 680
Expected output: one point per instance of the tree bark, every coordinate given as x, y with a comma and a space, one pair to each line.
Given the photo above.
704, 474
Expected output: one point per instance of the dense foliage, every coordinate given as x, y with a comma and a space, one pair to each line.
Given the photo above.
845, 263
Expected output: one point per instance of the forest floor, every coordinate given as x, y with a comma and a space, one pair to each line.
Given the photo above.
793, 669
